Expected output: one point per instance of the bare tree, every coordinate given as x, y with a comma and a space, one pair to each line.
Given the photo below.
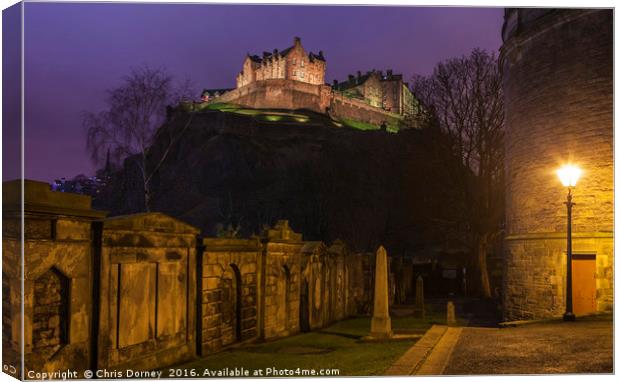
135, 112
465, 98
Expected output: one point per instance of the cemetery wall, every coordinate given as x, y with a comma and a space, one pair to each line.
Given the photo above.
147, 292
138, 292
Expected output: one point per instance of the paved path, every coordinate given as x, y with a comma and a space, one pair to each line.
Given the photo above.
584, 346
415, 356
438, 358
554, 347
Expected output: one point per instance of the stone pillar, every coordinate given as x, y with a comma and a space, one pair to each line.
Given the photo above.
381, 324
280, 279
450, 315
419, 296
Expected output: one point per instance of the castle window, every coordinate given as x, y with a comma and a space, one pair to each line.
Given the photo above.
302, 63
294, 61
301, 74
294, 73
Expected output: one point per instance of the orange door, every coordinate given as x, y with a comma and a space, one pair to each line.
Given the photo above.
584, 284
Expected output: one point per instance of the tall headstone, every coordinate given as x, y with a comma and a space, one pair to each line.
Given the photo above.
451, 316
381, 324
419, 297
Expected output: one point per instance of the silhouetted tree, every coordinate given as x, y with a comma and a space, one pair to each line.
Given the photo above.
465, 98
135, 112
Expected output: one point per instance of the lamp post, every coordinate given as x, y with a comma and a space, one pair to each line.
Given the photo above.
569, 175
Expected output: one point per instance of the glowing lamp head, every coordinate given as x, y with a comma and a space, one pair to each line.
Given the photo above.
569, 175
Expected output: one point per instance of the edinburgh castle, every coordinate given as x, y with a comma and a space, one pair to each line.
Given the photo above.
295, 79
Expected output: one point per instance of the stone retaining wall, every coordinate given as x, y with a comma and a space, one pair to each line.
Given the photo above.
288, 94
279, 94
342, 107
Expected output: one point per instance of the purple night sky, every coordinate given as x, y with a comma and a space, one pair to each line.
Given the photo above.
74, 52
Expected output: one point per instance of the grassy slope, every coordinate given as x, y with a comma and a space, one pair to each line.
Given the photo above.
295, 117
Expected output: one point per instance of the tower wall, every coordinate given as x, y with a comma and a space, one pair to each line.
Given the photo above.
558, 86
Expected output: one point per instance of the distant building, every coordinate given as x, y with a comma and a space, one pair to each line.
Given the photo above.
295, 79
292, 63
387, 91
81, 184
210, 94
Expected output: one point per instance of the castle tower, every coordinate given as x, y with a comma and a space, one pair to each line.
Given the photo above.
558, 85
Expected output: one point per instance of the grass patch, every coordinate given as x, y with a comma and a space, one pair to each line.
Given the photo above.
336, 347
272, 118
221, 106
298, 116
359, 125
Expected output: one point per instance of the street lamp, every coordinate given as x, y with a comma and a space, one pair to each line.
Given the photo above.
569, 175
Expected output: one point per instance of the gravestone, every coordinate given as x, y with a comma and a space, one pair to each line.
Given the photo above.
451, 316
381, 324
419, 297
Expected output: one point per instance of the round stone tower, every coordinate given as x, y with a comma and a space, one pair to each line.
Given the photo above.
558, 84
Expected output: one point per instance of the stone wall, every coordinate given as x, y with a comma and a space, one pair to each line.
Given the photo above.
279, 94
359, 287
282, 248
402, 271
147, 292
327, 289
558, 85
540, 291
137, 292
371, 90
229, 292
343, 107
50, 313
288, 94
338, 253
58, 294
275, 286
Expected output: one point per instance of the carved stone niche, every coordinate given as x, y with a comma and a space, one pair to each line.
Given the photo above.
50, 330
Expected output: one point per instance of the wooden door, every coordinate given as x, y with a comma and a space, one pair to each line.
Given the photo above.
584, 284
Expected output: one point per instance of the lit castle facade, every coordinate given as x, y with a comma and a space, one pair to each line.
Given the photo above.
295, 79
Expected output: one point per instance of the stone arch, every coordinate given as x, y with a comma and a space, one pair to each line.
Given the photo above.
231, 305
50, 329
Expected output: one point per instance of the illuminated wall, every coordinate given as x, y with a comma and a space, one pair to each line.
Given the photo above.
558, 86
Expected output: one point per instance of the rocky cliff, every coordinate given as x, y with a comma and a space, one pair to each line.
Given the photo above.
237, 171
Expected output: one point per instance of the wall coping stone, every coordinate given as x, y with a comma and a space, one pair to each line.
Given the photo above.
231, 244
39, 198
149, 221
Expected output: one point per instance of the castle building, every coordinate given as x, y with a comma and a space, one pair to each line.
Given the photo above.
295, 79
292, 63
558, 87
387, 91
